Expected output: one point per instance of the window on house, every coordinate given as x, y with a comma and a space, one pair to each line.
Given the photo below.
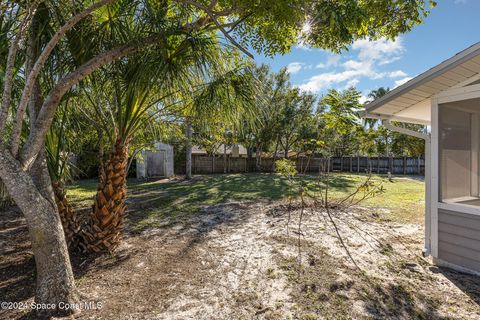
459, 144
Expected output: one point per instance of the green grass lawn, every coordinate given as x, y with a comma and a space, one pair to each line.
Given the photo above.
149, 201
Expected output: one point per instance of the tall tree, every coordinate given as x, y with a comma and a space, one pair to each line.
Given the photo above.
296, 114
338, 112
372, 96
265, 129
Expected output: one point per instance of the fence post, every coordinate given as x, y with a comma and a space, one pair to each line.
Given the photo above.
390, 164
351, 164
419, 168
378, 164
358, 164
404, 165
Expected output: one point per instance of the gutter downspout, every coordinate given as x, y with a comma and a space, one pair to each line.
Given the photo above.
428, 229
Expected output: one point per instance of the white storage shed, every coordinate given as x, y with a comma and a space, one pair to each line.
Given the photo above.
155, 163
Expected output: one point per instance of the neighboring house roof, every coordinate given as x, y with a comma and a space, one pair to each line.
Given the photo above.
410, 102
199, 150
281, 154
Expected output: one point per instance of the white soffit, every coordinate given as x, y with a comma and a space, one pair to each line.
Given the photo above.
412, 99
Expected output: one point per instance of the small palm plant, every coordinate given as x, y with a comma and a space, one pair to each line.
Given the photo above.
60, 167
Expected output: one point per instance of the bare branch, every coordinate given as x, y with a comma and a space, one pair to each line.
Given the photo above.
33, 75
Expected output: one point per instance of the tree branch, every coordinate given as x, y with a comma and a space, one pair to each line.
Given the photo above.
37, 67
212, 16
47, 112
8, 80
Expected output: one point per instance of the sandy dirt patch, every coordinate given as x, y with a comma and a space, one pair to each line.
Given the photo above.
239, 260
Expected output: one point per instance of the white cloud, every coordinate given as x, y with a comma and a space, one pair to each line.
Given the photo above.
356, 65
389, 60
351, 83
331, 62
370, 55
363, 99
401, 81
295, 67
381, 50
326, 80
397, 74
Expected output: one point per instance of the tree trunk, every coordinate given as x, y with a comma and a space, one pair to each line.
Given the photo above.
224, 158
213, 162
258, 157
103, 232
275, 153
188, 169
33, 194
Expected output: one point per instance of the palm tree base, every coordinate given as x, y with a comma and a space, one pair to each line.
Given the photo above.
103, 231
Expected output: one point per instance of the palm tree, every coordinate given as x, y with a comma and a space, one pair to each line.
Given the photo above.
372, 96
372, 123
147, 88
57, 146
118, 111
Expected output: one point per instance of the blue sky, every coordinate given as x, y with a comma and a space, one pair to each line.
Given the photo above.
451, 27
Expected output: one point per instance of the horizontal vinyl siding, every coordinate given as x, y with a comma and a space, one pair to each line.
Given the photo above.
459, 239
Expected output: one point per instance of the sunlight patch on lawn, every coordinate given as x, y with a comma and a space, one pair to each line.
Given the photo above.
403, 200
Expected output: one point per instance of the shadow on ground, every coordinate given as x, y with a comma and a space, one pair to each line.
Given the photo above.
469, 284
17, 265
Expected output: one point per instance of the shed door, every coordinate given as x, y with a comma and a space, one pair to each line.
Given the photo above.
156, 163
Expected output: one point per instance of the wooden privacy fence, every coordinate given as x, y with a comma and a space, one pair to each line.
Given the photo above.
396, 165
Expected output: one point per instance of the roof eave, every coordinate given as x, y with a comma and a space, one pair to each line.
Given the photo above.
430, 74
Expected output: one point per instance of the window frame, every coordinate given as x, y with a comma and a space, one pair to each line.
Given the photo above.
452, 95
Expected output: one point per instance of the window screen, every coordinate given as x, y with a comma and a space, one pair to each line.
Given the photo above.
458, 152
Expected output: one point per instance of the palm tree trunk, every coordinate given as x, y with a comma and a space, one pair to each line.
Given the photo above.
104, 229
68, 215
